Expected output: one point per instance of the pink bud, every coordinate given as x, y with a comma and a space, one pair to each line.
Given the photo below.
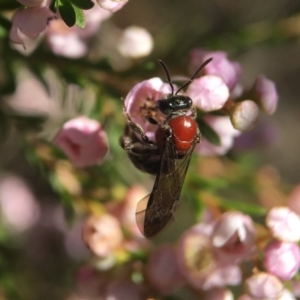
234, 237
135, 42
30, 22
284, 224
112, 5
244, 115
265, 94
220, 66
102, 234
262, 286
83, 141
282, 259
162, 270
72, 41
208, 92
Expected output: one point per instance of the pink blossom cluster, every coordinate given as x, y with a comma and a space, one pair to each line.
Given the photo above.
207, 258
280, 255
35, 18
227, 108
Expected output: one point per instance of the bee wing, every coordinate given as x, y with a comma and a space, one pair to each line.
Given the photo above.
156, 211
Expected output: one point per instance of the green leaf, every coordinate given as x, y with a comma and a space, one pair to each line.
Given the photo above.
67, 12
83, 4
209, 133
80, 20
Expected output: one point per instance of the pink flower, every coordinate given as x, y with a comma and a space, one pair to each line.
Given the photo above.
102, 234
30, 22
198, 263
262, 286
284, 224
72, 41
265, 94
112, 5
140, 102
223, 127
228, 71
83, 141
233, 237
163, 271
282, 259
208, 92
244, 115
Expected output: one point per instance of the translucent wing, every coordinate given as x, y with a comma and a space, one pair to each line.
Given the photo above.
156, 211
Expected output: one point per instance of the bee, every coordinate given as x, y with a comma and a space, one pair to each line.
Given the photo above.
168, 158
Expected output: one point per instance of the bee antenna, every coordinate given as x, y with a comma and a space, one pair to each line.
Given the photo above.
196, 73
164, 66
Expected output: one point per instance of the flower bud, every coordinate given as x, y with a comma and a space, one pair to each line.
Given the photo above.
282, 259
244, 115
83, 141
263, 286
220, 66
265, 94
112, 5
135, 42
208, 92
102, 234
233, 237
284, 224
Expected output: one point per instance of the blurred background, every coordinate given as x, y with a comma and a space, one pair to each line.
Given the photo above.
39, 251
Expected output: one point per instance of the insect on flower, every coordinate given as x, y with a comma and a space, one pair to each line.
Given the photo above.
168, 158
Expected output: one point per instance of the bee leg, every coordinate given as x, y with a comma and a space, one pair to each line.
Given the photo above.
198, 136
137, 128
194, 116
194, 113
136, 148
